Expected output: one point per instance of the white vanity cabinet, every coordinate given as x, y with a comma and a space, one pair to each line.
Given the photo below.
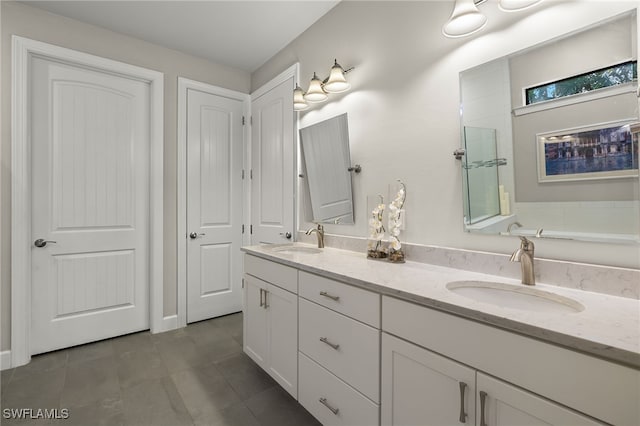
271, 320
352, 356
519, 379
502, 404
420, 387
339, 351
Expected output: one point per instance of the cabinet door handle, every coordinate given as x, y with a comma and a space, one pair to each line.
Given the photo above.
333, 345
261, 301
463, 415
266, 304
483, 397
324, 402
325, 294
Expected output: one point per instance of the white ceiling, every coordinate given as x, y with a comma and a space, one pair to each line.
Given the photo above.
238, 33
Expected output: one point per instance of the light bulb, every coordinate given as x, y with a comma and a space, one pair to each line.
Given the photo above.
315, 93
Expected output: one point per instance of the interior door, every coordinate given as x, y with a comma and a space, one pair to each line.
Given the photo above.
272, 163
90, 205
214, 205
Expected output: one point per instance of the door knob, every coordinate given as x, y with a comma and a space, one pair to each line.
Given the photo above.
41, 242
195, 235
287, 235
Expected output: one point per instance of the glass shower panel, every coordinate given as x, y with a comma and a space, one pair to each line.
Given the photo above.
480, 174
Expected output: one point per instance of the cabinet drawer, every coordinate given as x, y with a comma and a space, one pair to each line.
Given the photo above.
344, 405
272, 272
596, 387
352, 301
357, 358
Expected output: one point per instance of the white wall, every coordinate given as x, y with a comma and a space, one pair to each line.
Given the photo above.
404, 106
36, 24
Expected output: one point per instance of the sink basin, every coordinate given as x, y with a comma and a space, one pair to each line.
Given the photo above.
510, 296
291, 249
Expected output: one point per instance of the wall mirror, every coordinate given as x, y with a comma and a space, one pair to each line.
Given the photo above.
550, 138
326, 174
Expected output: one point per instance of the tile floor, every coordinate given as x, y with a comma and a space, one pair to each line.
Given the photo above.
197, 375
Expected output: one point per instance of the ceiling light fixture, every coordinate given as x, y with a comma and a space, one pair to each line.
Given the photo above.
319, 89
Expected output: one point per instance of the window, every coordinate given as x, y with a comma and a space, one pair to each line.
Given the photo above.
587, 82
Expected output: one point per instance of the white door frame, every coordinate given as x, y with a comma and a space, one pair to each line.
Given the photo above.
21, 190
292, 71
185, 84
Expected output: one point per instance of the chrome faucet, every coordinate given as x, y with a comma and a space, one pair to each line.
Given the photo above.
524, 255
319, 233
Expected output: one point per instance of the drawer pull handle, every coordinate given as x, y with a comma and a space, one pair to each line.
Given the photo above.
483, 398
261, 298
324, 402
333, 345
463, 415
325, 294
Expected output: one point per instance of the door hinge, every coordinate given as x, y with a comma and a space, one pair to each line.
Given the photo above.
243, 228
242, 174
251, 120
250, 173
243, 283
251, 229
243, 120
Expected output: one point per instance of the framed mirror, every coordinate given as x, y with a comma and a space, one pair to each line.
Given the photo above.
326, 164
551, 138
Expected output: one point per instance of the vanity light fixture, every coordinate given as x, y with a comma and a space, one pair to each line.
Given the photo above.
517, 5
466, 19
319, 89
337, 82
299, 103
315, 93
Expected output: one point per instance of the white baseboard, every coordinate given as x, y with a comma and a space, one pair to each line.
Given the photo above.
168, 323
5, 360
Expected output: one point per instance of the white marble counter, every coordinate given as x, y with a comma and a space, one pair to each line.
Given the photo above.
608, 327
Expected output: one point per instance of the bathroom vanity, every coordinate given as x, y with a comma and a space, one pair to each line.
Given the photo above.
360, 342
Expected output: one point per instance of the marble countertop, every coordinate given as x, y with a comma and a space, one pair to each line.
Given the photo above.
608, 327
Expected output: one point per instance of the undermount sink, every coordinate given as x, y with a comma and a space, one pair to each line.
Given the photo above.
510, 296
291, 249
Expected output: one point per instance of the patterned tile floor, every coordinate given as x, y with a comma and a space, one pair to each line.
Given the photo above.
197, 375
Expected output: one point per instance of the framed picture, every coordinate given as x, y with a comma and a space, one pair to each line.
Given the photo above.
602, 151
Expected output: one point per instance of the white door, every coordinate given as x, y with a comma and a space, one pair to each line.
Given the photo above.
422, 388
90, 178
214, 205
501, 404
272, 163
